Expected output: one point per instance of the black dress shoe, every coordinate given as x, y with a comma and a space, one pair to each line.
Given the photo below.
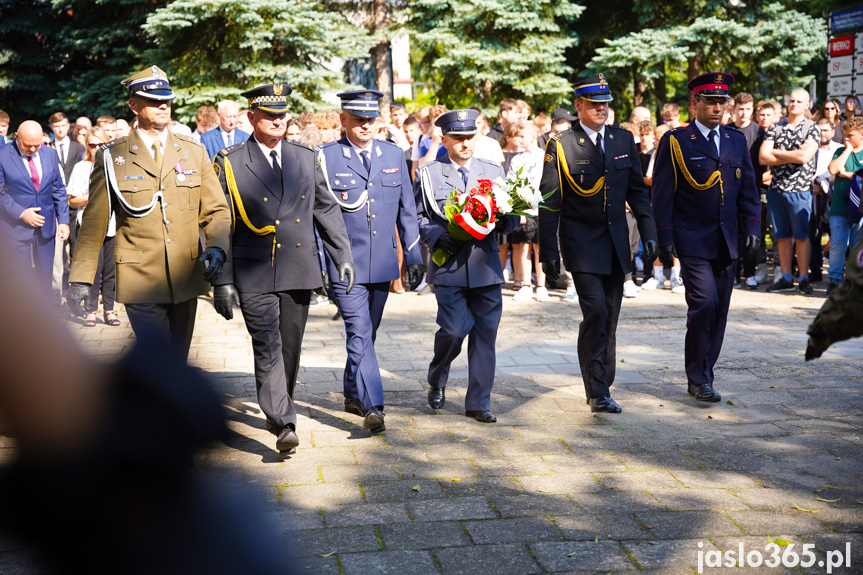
484, 416
287, 441
704, 392
437, 397
353, 406
374, 419
605, 404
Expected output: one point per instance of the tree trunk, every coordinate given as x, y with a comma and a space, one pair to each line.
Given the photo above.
638, 87
694, 66
661, 95
380, 56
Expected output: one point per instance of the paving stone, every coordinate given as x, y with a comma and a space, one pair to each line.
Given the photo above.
576, 555
355, 473
366, 514
695, 499
713, 479
617, 502
532, 505
668, 553
792, 522
509, 559
316, 565
583, 463
427, 535
404, 490
512, 530
777, 498
561, 483
334, 540
389, 563
589, 527
638, 480
683, 524
451, 509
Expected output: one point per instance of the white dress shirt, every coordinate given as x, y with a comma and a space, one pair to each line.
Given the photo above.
705, 131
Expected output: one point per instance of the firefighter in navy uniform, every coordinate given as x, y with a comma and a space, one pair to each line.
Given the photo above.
279, 197
703, 184
594, 172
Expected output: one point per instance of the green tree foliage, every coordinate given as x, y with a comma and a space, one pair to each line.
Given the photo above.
217, 49
480, 52
767, 47
69, 55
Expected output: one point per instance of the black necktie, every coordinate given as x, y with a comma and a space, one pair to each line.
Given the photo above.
599, 147
276, 167
712, 138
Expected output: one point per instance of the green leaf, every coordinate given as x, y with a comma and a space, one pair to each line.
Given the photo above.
830, 487
618, 428
571, 554
729, 402
806, 510
328, 554
455, 479
471, 489
775, 386
596, 539
828, 500
546, 490
778, 541
464, 440
416, 488
702, 437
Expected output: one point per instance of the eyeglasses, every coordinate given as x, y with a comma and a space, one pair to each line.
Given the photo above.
93, 146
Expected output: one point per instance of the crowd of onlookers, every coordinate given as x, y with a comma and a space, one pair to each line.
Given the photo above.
805, 158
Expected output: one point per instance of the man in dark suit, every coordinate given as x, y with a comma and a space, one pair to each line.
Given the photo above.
594, 172
279, 197
703, 184
467, 285
69, 152
369, 181
226, 134
34, 207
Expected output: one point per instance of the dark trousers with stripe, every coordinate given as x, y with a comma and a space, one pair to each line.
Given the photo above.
709, 284
599, 296
276, 322
362, 311
473, 313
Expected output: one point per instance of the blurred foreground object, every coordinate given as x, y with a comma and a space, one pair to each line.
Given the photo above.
841, 316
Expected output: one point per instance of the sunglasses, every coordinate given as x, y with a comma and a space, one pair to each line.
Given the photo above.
93, 146
829, 107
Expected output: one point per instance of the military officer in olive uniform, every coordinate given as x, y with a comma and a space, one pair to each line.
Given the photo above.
703, 184
369, 181
278, 197
163, 191
467, 286
594, 172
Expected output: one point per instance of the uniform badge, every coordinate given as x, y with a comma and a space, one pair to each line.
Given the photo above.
344, 175
581, 140
378, 151
345, 196
181, 177
119, 160
738, 173
610, 136
548, 158
336, 182
277, 89
156, 72
390, 171
346, 152
461, 115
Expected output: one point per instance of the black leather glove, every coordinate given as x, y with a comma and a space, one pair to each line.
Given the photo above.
500, 225
650, 250
325, 275
76, 295
225, 297
551, 269
448, 243
415, 276
217, 263
347, 274
752, 245
667, 255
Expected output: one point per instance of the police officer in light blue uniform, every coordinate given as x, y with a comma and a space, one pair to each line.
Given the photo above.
703, 185
369, 180
467, 286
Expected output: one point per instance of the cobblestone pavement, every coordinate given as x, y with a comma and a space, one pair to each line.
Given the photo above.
552, 488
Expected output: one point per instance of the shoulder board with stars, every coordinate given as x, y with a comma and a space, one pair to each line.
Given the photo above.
113, 143
232, 149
